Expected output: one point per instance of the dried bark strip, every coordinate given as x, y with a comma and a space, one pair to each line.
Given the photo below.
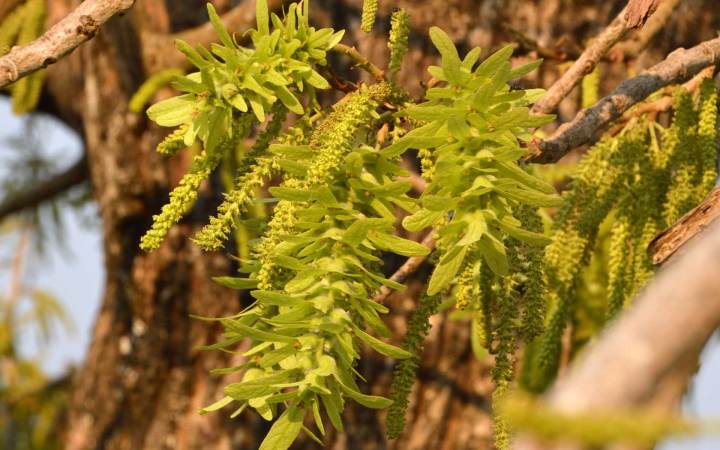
61, 39
589, 124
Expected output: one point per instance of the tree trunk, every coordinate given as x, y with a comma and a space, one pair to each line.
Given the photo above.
144, 378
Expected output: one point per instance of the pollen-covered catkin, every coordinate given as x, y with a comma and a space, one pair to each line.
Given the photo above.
398, 40
406, 370
369, 11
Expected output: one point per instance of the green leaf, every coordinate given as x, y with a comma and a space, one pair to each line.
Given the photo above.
255, 333
258, 110
525, 69
369, 401
475, 230
333, 404
445, 272
316, 80
422, 219
262, 17
381, 347
451, 59
192, 55
236, 283
174, 111
493, 252
512, 170
397, 244
219, 27
530, 237
534, 198
239, 103
286, 428
217, 405
292, 194
494, 62
289, 99
359, 229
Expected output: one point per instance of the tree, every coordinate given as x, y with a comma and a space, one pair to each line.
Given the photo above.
145, 378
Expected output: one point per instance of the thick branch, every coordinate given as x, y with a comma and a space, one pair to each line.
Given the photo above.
589, 124
61, 39
669, 322
71, 177
584, 65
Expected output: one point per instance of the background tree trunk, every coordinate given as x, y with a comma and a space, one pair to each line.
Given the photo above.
144, 377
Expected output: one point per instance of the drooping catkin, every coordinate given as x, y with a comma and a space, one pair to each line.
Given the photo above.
405, 371
398, 40
617, 265
707, 137
369, 11
184, 195
534, 287
591, 88
26, 91
173, 142
10, 27
254, 171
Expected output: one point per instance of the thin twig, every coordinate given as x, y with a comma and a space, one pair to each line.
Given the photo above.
61, 39
589, 124
408, 268
583, 65
632, 48
361, 61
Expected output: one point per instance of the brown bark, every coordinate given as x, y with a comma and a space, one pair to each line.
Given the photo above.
144, 379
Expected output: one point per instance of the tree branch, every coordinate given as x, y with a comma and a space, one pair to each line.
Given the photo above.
589, 124
61, 39
583, 65
632, 48
361, 61
60, 183
669, 241
665, 326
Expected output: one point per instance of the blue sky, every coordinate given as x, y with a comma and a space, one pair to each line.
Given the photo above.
75, 275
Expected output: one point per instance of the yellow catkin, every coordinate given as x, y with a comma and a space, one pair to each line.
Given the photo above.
398, 39
465, 284
707, 137
10, 27
26, 91
369, 11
